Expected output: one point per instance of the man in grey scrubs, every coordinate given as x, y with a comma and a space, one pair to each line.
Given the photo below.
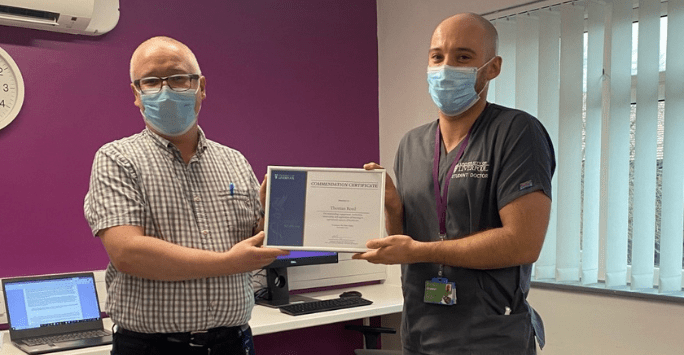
466, 247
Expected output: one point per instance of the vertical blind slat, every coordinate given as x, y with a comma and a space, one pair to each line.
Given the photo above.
527, 66
505, 83
672, 219
527, 63
618, 162
592, 145
570, 144
548, 112
645, 138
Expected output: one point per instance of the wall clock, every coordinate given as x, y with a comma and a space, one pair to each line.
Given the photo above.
11, 89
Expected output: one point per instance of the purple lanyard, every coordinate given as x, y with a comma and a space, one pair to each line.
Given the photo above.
441, 199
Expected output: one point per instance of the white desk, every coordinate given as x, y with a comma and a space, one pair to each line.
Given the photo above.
387, 299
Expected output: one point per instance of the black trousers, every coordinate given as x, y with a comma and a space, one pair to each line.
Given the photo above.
217, 341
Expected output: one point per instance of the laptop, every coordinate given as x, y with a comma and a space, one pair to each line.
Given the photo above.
54, 313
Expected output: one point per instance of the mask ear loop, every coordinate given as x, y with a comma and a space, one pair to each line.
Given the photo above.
485, 64
483, 88
487, 84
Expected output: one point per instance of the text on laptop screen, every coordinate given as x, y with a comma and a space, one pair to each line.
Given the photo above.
40, 303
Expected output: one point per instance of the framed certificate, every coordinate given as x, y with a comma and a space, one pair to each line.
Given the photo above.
326, 209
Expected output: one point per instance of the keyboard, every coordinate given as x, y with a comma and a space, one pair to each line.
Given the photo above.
65, 337
297, 309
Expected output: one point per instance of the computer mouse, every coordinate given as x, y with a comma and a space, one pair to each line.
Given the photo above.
351, 294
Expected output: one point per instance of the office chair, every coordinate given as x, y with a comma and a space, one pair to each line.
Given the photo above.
371, 335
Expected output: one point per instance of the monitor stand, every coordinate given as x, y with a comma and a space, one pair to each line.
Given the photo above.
279, 291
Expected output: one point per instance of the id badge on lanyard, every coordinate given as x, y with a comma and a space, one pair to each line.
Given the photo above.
439, 290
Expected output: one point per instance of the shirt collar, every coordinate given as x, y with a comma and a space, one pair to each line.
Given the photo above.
166, 144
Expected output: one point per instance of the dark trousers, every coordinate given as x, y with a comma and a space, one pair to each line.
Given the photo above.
217, 341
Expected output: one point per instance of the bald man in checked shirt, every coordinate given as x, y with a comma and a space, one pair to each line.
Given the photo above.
180, 217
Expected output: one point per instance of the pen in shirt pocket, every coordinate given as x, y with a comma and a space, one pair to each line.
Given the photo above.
232, 188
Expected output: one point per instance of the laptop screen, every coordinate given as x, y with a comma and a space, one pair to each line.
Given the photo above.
51, 301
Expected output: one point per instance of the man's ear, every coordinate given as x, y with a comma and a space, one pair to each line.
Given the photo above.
137, 101
202, 86
494, 69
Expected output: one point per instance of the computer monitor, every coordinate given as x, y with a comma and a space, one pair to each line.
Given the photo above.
276, 276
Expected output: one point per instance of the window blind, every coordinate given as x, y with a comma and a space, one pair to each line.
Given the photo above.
573, 68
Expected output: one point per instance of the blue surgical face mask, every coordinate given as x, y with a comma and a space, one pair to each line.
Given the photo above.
453, 88
169, 112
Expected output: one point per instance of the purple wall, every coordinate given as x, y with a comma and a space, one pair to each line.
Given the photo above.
288, 83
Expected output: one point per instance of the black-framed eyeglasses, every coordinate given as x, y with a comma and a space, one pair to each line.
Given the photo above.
178, 82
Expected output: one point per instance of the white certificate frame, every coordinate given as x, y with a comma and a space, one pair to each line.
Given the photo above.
355, 211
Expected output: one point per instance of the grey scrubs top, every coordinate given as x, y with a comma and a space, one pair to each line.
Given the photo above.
509, 154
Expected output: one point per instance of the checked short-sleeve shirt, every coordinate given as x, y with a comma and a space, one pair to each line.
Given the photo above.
211, 203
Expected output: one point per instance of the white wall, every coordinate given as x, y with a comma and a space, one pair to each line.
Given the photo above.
578, 323
575, 323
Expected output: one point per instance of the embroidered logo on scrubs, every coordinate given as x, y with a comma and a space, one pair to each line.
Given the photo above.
525, 185
471, 169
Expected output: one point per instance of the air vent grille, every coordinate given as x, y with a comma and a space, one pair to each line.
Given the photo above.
34, 14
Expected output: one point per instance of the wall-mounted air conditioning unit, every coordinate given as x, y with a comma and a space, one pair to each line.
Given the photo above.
86, 17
